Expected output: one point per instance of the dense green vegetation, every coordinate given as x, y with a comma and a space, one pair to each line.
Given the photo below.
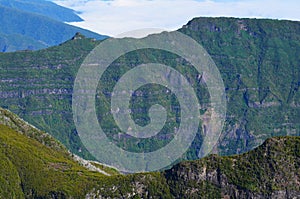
258, 60
33, 169
34, 165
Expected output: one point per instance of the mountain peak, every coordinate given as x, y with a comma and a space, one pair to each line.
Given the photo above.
78, 35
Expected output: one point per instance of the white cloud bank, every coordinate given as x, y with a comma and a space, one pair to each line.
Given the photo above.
112, 17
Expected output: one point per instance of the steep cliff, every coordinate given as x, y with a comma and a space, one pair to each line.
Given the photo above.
259, 62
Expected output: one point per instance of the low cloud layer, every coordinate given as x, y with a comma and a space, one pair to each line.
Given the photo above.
112, 17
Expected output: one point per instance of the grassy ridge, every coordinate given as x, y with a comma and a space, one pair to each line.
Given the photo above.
36, 165
35, 169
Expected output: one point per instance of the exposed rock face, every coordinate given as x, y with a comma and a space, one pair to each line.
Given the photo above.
78, 35
270, 171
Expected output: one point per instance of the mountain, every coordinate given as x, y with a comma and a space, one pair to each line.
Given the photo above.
34, 165
43, 7
259, 64
13, 42
258, 60
26, 29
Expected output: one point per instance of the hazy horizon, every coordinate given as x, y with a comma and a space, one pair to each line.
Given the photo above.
113, 17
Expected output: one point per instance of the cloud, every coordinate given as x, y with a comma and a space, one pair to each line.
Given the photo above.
112, 17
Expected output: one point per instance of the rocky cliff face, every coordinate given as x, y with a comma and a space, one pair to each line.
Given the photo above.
270, 171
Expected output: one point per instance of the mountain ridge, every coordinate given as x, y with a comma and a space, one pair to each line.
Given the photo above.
34, 31
259, 68
45, 8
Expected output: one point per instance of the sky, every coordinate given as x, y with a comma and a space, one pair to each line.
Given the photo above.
114, 17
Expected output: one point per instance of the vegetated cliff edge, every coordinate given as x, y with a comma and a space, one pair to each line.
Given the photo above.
270, 171
34, 165
258, 60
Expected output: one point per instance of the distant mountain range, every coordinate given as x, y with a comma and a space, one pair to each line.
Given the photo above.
43, 7
34, 165
36, 24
